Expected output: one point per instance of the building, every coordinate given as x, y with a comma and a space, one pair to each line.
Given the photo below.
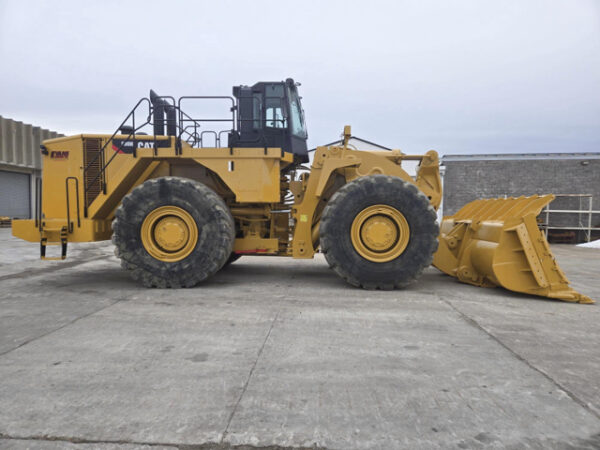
20, 166
469, 177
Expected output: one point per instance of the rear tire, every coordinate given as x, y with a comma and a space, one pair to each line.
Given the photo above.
379, 232
172, 232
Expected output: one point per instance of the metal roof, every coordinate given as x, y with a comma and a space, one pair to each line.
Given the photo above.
520, 156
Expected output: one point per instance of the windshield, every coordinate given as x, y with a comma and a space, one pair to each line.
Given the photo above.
296, 114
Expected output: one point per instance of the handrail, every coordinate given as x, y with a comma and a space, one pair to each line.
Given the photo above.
103, 170
581, 212
214, 133
69, 224
102, 152
184, 117
221, 132
183, 124
131, 113
38, 203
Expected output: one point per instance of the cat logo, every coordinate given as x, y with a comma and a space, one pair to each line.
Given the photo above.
145, 144
59, 155
124, 146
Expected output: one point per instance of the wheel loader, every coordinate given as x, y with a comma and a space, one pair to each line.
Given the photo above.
182, 197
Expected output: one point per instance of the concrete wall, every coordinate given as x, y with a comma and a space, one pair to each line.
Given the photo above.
470, 178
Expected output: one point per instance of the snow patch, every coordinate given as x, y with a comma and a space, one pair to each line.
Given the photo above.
593, 244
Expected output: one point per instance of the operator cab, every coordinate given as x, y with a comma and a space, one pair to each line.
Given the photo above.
270, 115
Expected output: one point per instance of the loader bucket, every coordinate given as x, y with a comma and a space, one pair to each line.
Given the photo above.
497, 242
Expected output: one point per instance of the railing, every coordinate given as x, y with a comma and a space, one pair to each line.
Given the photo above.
102, 153
187, 129
38, 203
69, 223
185, 121
584, 219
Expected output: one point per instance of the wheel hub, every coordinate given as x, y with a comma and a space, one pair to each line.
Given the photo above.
169, 233
380, 233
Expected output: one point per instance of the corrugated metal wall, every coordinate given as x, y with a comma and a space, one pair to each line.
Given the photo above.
20, 166
20, 143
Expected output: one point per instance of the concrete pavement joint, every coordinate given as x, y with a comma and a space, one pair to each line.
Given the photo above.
65, 265
203, 446
249, 376
60, 328
76, 440
476, 325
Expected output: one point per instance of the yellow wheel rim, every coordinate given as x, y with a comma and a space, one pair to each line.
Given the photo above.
380, 233
169, 233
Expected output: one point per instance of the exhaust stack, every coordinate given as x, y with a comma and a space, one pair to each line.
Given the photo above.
160, 107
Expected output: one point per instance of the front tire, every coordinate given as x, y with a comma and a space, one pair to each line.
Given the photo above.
379, 232
173, 232
232, 258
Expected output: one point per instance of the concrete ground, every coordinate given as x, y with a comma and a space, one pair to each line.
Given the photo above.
280, 353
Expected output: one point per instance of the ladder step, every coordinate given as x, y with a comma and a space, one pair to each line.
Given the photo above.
63, 243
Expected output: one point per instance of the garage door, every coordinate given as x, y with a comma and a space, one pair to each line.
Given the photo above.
14, 195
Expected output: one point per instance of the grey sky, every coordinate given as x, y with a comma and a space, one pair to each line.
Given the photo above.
457, 76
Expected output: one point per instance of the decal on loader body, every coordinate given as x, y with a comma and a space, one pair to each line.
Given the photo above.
127, 146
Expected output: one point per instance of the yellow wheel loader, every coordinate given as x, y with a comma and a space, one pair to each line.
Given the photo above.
184, 196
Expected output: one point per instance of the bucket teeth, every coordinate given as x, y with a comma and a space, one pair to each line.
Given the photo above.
497, 242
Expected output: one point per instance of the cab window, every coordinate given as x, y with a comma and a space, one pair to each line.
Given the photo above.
274, 101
